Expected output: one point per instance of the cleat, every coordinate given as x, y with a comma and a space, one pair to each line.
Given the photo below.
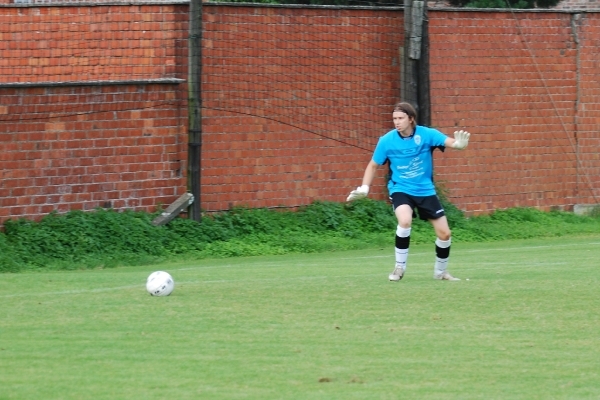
445, 276
396, 274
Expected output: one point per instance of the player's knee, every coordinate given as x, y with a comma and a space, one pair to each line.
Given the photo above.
444, 234
404, 224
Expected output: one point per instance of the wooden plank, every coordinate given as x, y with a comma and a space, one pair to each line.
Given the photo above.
182, 203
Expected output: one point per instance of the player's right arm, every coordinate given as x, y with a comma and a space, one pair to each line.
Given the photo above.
370, 172
368, 177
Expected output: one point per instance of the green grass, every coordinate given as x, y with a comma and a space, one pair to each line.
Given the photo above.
315, 326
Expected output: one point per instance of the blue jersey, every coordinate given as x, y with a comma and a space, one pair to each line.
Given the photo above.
411, 160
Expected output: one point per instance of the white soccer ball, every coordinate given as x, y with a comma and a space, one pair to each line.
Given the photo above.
160, 283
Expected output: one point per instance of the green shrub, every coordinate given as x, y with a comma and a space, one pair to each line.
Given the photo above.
9, 260
107, 238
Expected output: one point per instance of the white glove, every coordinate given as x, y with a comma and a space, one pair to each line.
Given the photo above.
359, 193
461, 139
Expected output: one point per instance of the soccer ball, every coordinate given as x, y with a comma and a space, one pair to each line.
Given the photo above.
160, 283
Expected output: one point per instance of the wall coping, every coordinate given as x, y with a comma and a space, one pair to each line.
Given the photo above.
168, 81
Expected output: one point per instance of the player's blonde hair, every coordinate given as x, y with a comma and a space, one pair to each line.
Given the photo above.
407, 109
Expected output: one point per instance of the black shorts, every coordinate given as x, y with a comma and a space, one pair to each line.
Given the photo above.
429, 207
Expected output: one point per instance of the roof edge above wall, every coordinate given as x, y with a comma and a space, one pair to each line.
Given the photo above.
169, 81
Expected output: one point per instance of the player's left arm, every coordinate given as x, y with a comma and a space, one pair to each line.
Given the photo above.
459, 141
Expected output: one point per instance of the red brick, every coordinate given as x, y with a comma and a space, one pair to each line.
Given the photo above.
517, 96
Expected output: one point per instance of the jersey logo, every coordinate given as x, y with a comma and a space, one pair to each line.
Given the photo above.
418, 139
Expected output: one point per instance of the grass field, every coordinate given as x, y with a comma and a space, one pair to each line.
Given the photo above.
526, 325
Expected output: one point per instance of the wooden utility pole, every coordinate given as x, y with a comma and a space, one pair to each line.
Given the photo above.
409, 63
194, 107
415, 59
424, 97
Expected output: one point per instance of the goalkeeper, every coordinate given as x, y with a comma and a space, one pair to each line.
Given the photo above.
409, 150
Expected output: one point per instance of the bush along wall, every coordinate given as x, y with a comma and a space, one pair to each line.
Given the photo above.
107, 238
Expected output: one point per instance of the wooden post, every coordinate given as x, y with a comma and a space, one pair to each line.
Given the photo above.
416, 30
403, 85
414, 72
410, 65
195, 107
423, 96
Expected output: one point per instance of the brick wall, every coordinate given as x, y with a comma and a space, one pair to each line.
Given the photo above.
587, 113
122, 158
91, 114
88, 43
294, 99
511, 79
530, 94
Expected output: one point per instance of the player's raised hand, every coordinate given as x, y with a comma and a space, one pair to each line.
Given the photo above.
461, 139
360, 193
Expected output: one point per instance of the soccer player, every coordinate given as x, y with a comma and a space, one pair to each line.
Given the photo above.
409, 150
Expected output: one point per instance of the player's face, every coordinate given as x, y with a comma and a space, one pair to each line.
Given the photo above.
401, 121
